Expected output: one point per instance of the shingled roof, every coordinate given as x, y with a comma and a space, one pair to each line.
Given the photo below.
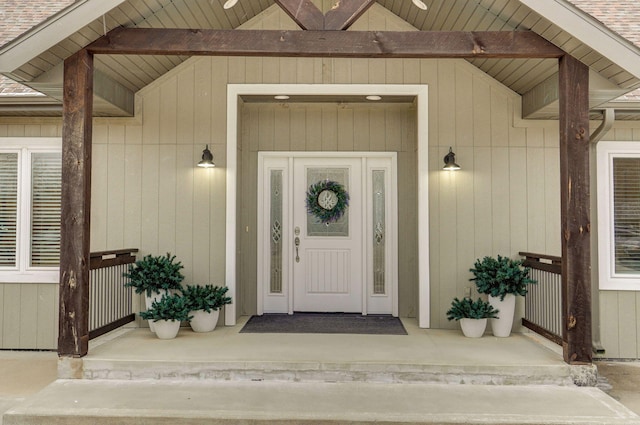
17, 17
620, 16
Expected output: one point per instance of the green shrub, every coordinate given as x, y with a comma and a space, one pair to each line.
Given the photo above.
207, 297
501, 276
468, 309
151, 274
169, 307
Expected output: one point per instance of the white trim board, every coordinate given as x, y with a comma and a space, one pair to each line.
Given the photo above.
235, 91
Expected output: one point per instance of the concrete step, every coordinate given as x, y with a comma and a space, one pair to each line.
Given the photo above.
102, 402
321, 371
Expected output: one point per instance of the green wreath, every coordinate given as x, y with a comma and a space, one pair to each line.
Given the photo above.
327, 201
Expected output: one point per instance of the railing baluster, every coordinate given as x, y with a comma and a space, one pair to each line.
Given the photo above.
543, 303
110, 302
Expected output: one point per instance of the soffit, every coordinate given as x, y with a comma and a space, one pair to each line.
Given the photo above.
135, 72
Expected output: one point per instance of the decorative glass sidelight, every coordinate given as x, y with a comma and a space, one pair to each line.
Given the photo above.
341, 226
275, 284
378, 187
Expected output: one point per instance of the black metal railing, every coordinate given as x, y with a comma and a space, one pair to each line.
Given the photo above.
543, 303
110, 302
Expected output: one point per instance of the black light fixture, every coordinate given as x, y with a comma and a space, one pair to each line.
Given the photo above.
207, 159
450, 161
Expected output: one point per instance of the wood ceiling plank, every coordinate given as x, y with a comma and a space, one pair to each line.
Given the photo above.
400, 44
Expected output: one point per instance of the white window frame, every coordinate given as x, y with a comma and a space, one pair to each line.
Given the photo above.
23, 272
608, 279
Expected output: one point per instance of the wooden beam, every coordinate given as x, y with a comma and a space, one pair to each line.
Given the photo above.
73, 338
304, 13
345, 12
576, 224
364, 44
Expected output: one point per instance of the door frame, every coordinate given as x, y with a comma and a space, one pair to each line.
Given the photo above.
285, 161
234, 101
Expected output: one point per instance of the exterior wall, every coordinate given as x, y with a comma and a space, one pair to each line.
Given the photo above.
619, 311
505, 200
330, 127
29, 311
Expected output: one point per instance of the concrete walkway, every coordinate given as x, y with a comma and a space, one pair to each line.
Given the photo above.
102, 402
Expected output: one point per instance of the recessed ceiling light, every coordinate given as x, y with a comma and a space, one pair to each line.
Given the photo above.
281, 97
374, 97
420, 4
229, 4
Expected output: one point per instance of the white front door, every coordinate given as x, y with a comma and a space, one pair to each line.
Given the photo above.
310, 261
327, 272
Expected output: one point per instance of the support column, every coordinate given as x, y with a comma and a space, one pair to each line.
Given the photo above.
576, 224
73, 337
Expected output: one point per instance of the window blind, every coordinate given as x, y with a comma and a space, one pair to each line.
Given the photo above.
626, 214
45, 209
8, 208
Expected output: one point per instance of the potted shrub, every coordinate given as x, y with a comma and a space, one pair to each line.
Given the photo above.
472, 315
204, 304
166, 314
502, 279
154, 276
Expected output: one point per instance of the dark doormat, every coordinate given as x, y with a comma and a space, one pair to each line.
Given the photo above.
325, 323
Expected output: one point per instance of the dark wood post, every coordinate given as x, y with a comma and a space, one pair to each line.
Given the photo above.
73, 338
576, 224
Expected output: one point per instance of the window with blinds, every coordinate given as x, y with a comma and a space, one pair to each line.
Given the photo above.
8, 209
30, 203
45, 209
618, 219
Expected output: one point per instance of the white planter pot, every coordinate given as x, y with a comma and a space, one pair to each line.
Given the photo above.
473, 328
501, 327
166, 329
203, 321
148, 300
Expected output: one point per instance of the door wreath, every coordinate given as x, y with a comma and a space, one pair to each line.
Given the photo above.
327, 201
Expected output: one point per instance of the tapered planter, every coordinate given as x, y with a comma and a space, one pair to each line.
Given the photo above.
501, 327
149, 300
203, 321
166, 329
473, 328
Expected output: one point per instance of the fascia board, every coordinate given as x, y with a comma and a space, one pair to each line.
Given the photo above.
52, 31
585, 28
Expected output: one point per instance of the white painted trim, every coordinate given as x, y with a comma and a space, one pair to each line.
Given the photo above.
234, 91
608, 279
52, 31
591, 32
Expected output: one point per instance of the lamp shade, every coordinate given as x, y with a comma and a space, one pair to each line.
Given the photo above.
450, 161
207, 159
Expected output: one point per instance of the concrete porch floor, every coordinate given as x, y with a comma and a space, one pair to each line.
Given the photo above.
226, 377
424, 355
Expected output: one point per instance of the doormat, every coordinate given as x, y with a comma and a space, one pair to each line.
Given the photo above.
325, 323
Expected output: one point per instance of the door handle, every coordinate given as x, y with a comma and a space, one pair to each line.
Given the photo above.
297, 243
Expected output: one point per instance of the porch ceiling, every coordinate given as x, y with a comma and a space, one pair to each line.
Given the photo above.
131, 73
